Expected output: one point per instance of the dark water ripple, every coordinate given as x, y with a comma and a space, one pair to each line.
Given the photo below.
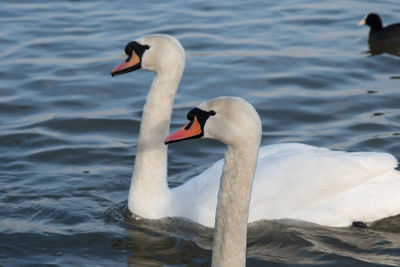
68, 131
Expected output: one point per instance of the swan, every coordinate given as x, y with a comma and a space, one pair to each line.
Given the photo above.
236, 123
292, 180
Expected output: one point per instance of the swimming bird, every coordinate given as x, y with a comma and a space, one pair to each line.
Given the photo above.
382, 39
236, 123
292, 180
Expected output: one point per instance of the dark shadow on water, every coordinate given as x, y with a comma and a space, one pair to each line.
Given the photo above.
169, 241
379, 49
178, 242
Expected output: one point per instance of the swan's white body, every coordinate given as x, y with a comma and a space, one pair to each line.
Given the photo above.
292, 180
298, 181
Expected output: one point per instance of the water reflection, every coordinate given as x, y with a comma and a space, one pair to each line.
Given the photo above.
378, 49
152, 248
170, 241
178, 242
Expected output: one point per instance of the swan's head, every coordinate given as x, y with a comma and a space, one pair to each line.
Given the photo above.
231, 120
156, 53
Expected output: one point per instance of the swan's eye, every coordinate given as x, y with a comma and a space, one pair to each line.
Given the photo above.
212, 112
146, 46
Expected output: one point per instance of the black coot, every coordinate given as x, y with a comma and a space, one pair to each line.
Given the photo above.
385, 39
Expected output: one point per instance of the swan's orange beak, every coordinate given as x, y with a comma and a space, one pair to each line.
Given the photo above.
130, 64
191, 130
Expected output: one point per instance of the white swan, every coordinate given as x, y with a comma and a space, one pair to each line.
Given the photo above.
234, 122
295, 181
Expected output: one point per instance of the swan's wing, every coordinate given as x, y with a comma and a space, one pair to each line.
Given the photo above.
301, 182
376, 199
291, 178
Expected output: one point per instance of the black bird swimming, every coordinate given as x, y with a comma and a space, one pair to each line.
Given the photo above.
382, 39
379, 34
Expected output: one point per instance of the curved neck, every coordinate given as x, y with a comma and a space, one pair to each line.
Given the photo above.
233, 206
149, 186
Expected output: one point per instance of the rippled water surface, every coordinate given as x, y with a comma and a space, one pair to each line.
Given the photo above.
68, 131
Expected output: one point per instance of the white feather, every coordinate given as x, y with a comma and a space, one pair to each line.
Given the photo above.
298, 181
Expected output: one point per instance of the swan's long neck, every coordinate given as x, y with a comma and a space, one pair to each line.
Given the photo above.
233, 206
149, 189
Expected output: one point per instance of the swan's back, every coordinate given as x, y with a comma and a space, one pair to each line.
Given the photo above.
303, 178
301, 182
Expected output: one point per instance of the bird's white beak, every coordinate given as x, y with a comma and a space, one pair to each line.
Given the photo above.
362, 22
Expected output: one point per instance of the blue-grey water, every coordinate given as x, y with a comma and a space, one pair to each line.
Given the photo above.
68, 131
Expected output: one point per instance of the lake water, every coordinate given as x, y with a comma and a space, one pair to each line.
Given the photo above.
68, 131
